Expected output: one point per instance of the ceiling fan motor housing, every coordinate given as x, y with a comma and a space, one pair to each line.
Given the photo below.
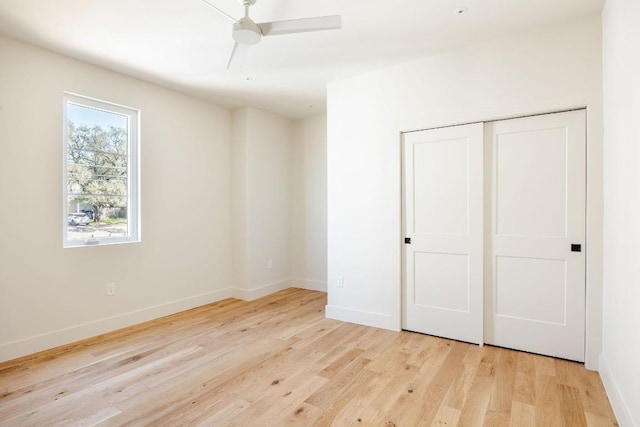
247, 32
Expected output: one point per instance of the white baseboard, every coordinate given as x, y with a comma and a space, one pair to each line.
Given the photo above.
268, 289
367, 318
619, 405
312, 285
71, 334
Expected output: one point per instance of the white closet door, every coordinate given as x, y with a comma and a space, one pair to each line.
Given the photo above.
535, 280
443, 217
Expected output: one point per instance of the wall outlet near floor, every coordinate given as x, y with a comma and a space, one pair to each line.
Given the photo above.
340, 282
111, 289
270, 263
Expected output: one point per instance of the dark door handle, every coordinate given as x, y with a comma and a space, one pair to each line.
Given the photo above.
576, 247
407, 240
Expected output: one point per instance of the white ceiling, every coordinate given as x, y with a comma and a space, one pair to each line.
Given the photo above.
184, 44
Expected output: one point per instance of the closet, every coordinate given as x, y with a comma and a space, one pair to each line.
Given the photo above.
494, 228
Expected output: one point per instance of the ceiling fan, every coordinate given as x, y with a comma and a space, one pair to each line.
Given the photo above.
246, 32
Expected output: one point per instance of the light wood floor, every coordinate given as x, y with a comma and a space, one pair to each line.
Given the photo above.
278, 361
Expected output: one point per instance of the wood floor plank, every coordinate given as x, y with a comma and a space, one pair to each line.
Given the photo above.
446, 416
496, 418
428, 396
503, 386
399, 380
593, 396
278, 361
475, 407
459, 390
522, 415
545, 366
571, 406
548, 409
329, 409
360, 409
598, 421
525, 385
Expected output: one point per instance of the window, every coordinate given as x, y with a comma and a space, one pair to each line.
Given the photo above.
100, 165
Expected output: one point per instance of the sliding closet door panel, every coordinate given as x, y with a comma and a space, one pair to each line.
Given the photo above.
442, 192
536, 283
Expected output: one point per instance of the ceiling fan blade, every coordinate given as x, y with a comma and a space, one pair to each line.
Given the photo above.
220, 11
238, 56
303, 25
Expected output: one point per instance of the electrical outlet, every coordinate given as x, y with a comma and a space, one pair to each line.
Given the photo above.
340, 282
111, 289
270, 263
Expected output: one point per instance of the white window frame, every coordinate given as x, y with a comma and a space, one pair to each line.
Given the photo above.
133, 171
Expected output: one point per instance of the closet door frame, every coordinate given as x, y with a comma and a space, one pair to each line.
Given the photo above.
487, 210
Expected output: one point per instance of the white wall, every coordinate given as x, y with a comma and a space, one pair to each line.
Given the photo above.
309, 203
620, 364
217, 204
545, 70
50, 295
261, 202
